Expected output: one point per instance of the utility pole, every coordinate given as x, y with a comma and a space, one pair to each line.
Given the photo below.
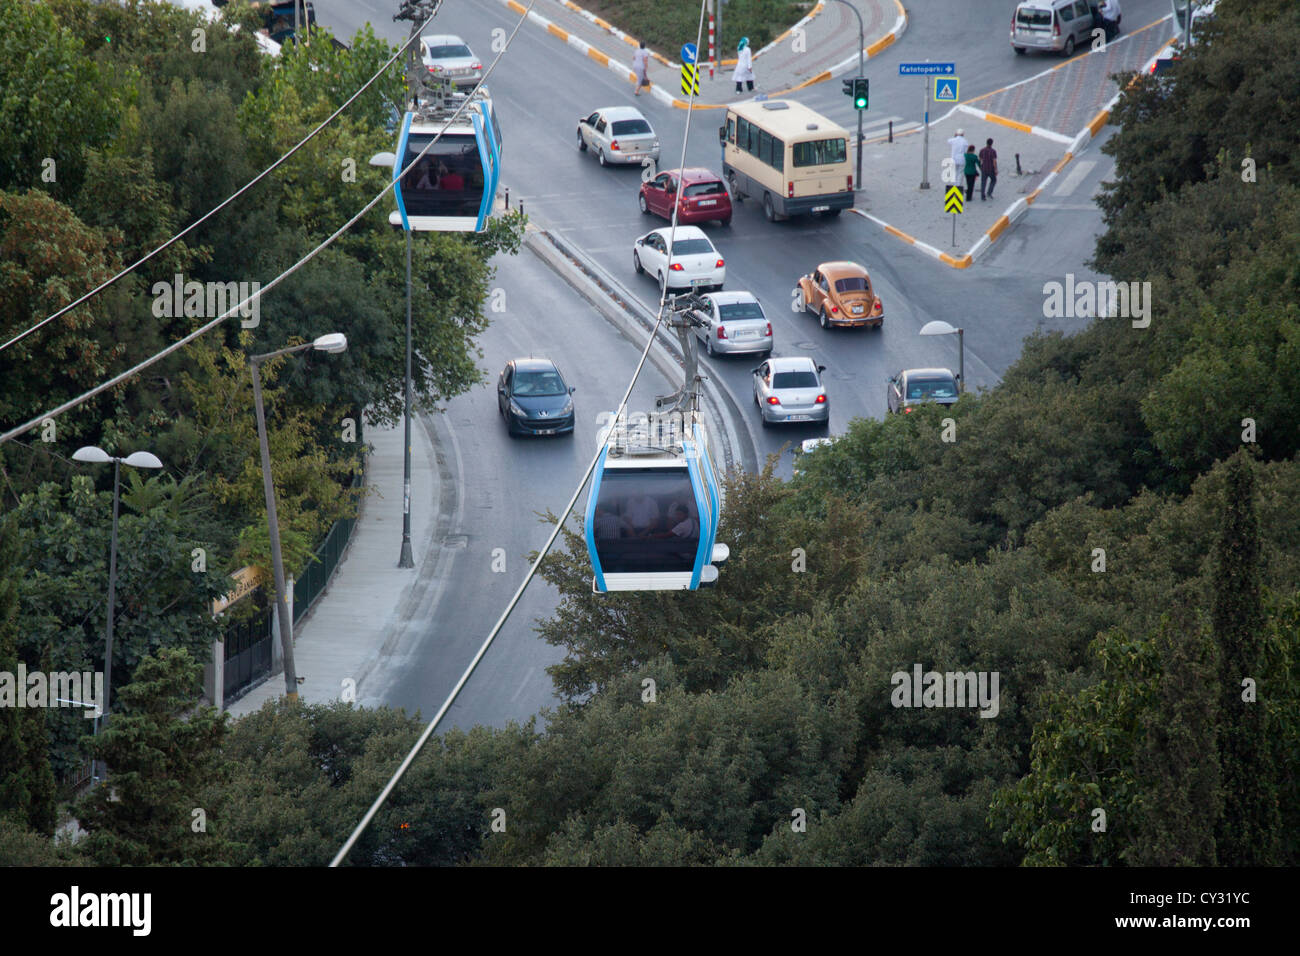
925, 149
861, 74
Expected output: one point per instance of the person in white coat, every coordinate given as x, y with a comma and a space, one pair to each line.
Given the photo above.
1110, 16
957, 149
744, 72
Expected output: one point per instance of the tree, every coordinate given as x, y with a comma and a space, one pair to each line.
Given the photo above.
163, 755
1250, 826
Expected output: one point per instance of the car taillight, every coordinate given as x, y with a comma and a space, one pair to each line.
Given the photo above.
614, 145
789, 190
720, 263
477, 66
907, 409
773, 400
821, 400
769, 328
850, 182
676, 267
834, 309
722, 331
878, 307
1056, 26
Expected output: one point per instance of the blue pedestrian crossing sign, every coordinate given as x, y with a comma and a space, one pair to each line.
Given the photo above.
688, 53
945, 89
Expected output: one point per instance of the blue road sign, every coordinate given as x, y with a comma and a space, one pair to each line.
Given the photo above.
688, 53
927, 69
945, 89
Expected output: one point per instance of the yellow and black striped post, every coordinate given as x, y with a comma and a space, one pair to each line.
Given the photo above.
690, 79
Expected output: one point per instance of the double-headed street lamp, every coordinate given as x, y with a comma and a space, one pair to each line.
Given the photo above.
139, 459
940, 327
334, 342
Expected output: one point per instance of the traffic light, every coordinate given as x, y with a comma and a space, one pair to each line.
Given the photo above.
860, 86
848, 86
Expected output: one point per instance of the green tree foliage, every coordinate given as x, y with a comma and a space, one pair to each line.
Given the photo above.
162, 755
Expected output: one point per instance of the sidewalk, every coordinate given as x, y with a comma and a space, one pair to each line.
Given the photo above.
821, 45
345, 634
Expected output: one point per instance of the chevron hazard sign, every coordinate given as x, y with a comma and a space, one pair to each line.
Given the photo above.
945, 89
952, 201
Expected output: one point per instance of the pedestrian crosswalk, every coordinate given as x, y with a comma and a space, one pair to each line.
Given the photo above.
879, 126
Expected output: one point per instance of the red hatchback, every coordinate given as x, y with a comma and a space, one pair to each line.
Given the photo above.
698, 194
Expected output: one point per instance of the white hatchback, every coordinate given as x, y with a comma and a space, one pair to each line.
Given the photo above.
694, 263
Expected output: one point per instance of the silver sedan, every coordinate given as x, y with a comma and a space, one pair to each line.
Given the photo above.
736, 323
790, 389
618, 134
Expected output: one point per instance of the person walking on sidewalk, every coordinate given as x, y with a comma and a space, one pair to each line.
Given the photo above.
744, 72
641, 67
972, 170
988, 170
957, 145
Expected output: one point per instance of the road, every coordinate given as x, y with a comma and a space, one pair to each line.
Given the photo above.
539, 91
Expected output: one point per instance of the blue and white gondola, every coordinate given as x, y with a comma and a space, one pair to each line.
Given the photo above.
636, 477
451, 188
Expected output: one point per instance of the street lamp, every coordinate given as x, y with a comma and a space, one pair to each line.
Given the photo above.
940, 327
334, 342
406, 559
139, 459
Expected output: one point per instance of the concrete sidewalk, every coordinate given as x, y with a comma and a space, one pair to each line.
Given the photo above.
355, 623
821, 45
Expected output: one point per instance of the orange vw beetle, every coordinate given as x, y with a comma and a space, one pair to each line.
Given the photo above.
839, 293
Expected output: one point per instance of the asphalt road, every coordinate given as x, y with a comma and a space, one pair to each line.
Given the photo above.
539, 90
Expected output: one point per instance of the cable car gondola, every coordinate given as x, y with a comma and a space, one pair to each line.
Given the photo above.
655, 501
453, 186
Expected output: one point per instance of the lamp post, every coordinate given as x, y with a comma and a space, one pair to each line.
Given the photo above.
861, 44
940, 327
334, 342
139, 459
406, 559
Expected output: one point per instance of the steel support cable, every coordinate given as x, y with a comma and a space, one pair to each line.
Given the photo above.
230, 199
181, 343
555, 532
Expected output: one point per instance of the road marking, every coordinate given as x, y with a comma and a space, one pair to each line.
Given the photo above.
1071, 182
1072, 206
523, 684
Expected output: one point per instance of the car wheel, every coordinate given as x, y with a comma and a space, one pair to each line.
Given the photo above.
736, 194
1019, 49
756, 405
663, 286
582, 143
800, 303
832, 213
636, 263
600, 155
766, 355
640, 201
725, 222
821, 317
1069, 47
768, 211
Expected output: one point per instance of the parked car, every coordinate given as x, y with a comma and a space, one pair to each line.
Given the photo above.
839, 293
618, 134
447, 56
790, 389
807, 447
534, 399
1053, 26
698, 195
921, 386
694, 264
736, 323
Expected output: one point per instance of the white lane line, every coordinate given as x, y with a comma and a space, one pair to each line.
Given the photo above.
1074, 206
1071, 182
523, 684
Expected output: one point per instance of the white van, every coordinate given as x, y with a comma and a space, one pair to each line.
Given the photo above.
1053, 26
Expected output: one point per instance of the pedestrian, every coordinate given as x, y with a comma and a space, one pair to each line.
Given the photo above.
641, 66
957, 145
972, 170
988, 169
1110, 17
744, 72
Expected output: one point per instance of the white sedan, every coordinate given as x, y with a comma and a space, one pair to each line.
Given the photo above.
694, 263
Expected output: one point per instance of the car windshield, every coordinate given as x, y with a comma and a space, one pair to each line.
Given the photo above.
922, 388
705, 189
688, 247
449, 52
820, 152
630, 127
1029, 17
539, 384
794, 380
852, 284
741, 310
